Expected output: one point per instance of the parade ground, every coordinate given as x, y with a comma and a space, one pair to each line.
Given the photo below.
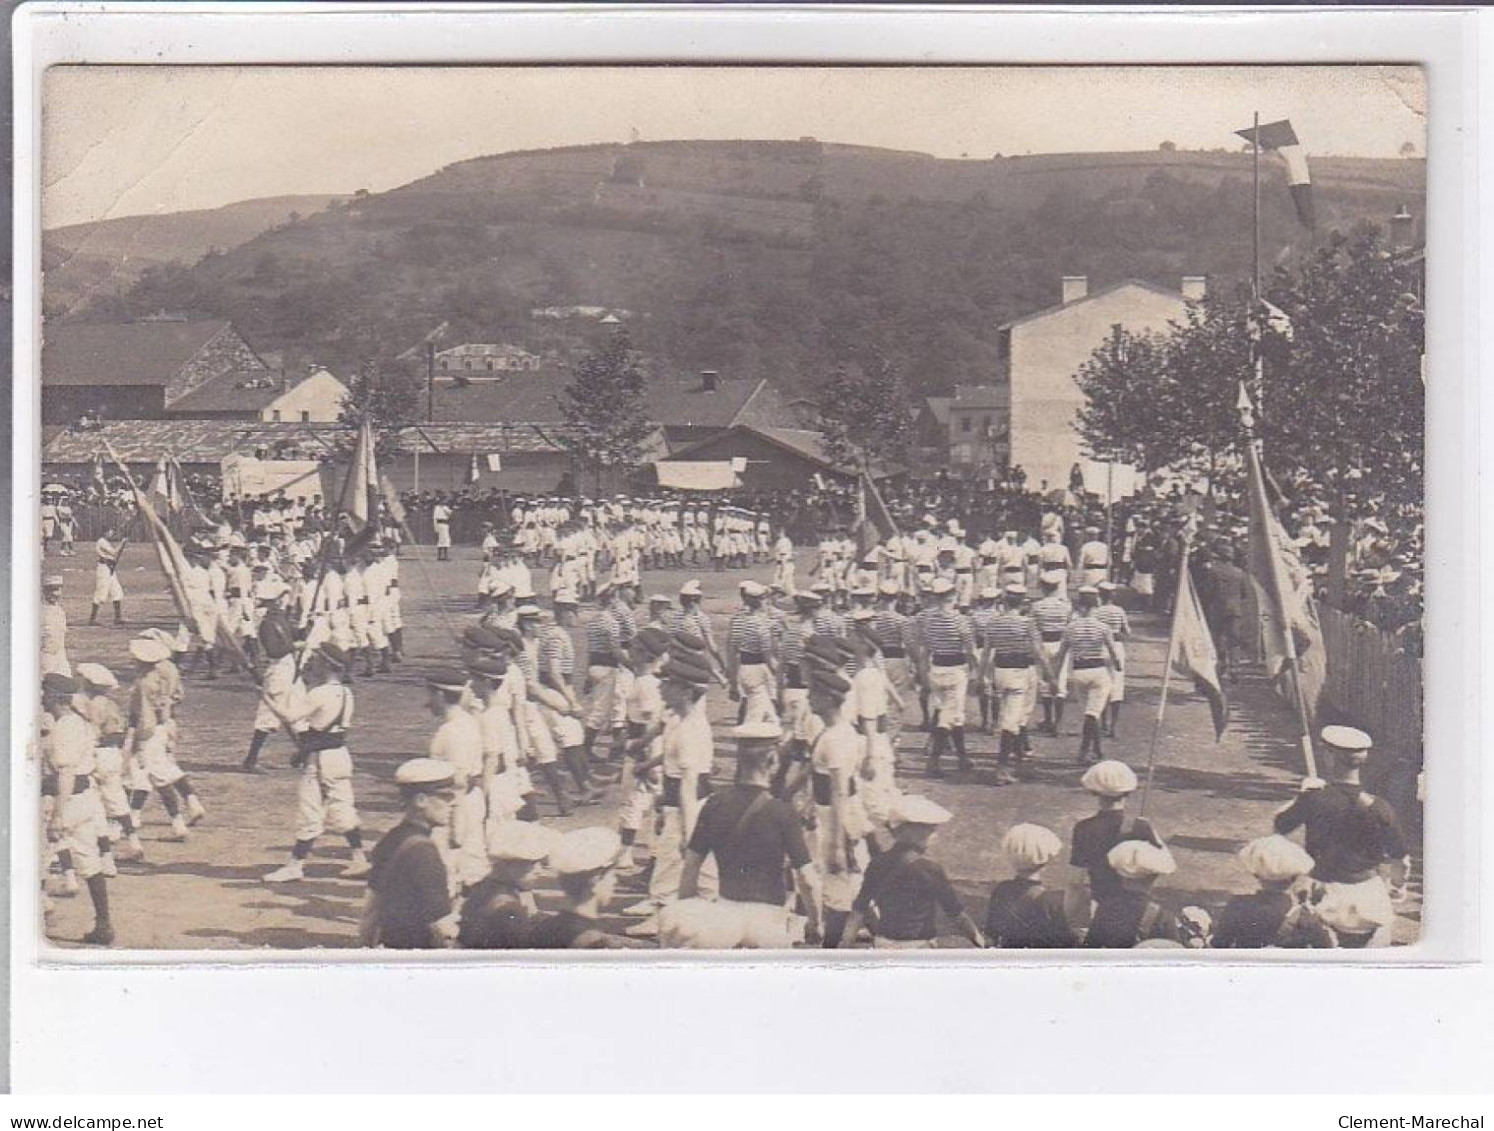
1207, 798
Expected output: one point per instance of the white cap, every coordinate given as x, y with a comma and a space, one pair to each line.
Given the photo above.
1088, 591
1051, 576
1110, 778
528, 611
148, 650
863, 614
990, 592
910, 809
940, 586
661, 599
1138, 859
585, 850
1275, 858
691, 588
424, 772
759, 732
522, 840
1030, 846
754, 589
1016, 590
1346, 738
52, 581
700, 924
96, 674
889, 588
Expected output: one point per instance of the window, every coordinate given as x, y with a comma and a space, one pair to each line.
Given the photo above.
275, 415
305, 416
965, 423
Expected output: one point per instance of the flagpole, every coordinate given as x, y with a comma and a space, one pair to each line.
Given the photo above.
1255, 277
324, 555
1172, 652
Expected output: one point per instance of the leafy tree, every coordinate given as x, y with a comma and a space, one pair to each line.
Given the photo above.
389, 395
1343, 409
864, 413
606, 426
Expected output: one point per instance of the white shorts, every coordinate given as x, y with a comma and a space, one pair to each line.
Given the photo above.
1091, 686
1013, 687
756, 685
158, 761
948, 689
840, 889
1059, 688
324, 795
106, 587
1145, 584
108, 779
83, 824
669, 862
1118, 675
542, 749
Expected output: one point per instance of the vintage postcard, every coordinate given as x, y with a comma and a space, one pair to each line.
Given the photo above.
782, 508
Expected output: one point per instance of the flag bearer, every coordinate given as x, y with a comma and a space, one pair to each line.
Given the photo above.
106, 587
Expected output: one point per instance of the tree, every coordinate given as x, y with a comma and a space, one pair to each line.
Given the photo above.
864, 413
389, 395
606, 425
1168, 147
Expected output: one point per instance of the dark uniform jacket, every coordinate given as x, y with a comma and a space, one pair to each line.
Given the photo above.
1350, 833
1125, 918
1023, 914
408, 880
494, 917
1268, 918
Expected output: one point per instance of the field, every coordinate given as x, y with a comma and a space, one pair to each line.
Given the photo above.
1207, 799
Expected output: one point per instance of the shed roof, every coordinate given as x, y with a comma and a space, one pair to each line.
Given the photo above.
121, 353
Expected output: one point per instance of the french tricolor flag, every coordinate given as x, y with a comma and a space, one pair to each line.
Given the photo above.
1280, 138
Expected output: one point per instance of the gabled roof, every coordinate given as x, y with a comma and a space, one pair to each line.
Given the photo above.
806, 443
671, 400
121, 353
1101, 293
232, 392
977, 397
938, 408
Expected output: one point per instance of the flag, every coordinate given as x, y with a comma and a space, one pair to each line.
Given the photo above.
1292, 634
360, 495
473, 472
166, 486
1192, 651
98, 473
874, 524
1281, 139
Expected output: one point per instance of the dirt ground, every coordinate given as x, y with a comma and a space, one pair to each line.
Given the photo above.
1207, 798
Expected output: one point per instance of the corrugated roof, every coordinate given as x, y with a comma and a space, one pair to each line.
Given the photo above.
207, 441
1101, 293
669, 400
131, 353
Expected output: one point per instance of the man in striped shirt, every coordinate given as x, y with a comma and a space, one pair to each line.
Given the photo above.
891, 629
1012, 651
692, 619
980, 623
1050, 613
827, 622
794, 679
947, 648
604, 656
751, 657
1115, 619
1089, 648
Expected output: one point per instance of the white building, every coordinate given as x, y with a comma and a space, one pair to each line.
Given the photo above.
1040, 354
477, 360
315, 399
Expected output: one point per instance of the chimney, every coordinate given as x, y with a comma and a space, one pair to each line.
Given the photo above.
1195, 287
709, 379
1402, 228
1075, 287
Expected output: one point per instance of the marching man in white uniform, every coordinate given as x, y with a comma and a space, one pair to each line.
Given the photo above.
53, 628
76, 821
106, 587
324, 795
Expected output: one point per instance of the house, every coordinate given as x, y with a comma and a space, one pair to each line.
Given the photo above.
775, 459
479, 361
979, 423
1039, 354
687, 407
135, 370
315, 397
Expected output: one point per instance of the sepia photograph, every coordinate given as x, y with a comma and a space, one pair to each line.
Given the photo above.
758, 508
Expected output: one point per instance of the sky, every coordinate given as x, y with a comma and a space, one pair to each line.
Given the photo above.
125, 141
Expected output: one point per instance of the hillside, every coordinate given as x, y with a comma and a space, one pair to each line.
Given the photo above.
758, 259
81, 259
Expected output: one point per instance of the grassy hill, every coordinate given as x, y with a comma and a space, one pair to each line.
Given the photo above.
83, 259
773, 259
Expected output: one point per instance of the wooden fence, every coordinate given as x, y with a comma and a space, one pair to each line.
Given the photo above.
1372, 682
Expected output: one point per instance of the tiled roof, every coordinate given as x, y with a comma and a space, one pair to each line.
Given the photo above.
670, 400
977, 397
132, 353
231, 392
